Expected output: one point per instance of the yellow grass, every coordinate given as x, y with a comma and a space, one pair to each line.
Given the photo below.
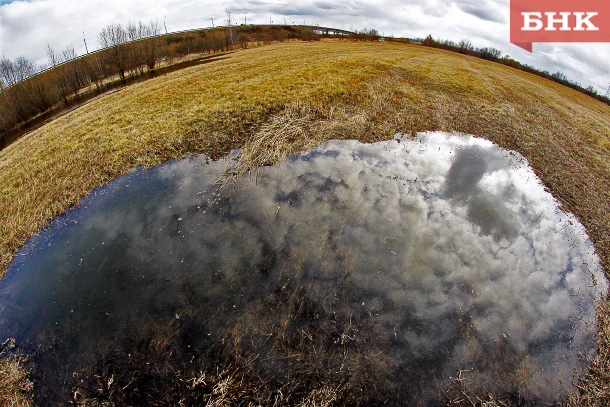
285, 97
14, 385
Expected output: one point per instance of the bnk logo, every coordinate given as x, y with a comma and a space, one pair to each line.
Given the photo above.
558, 21
533, 21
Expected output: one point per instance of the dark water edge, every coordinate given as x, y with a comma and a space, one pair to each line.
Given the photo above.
388, 273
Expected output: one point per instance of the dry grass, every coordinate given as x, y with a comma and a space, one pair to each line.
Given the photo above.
275, 100
14, 385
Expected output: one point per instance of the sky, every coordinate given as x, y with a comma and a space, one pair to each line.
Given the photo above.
26, 26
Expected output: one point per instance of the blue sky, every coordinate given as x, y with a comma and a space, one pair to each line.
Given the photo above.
27, 26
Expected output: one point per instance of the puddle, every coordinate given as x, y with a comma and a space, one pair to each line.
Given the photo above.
418, 265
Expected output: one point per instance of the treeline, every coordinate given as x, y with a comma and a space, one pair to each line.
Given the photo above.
365, 35
493, 54
28, 91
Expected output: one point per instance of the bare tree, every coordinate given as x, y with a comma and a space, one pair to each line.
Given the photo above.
13, 74
42, 92
489, 53
115, 37
25, 68
591, 89
150, 47
560, 76
53, 56
58, 76
68, 53
465, 46
78, 70
7, 72
134, 48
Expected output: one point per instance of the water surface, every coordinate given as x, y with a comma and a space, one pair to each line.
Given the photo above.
416, 262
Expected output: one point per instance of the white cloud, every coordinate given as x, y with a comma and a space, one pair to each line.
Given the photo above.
26, 26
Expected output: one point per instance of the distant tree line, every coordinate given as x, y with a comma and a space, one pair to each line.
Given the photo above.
493, 54
365, 35
128, 52
29, 92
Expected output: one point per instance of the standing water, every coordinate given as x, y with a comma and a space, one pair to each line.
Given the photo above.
392, 272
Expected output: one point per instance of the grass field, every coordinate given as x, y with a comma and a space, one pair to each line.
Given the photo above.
286, 97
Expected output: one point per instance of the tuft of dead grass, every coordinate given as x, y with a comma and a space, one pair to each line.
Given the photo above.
304, 125
15, 385
279, 99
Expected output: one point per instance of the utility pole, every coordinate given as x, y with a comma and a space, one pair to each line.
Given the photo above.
212, 21
245, 20
85, 41
164, 18
230, 26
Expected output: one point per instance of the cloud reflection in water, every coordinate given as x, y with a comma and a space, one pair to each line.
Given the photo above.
447, 246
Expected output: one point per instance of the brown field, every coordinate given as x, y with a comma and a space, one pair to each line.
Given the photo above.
278, 99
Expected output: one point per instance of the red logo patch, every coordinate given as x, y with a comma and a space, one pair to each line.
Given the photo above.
558, 21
